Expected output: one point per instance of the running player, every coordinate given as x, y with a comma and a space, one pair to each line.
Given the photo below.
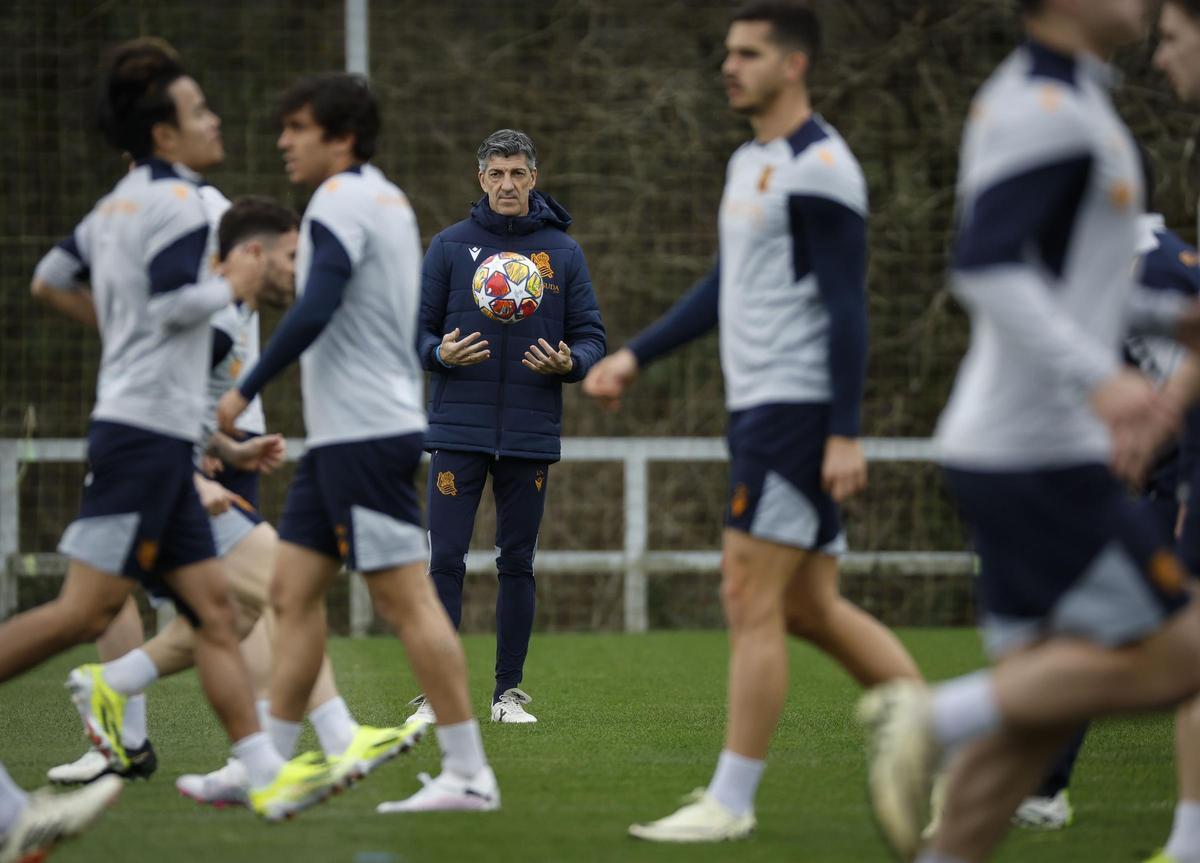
1085, 606
789, 295
352, 499
141, 519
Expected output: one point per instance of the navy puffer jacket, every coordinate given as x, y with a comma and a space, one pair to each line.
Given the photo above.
499, 406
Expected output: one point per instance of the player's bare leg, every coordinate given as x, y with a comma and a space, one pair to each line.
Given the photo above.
302, 578
124, 634
405, 597
87, 603
1057, 684
985, 784
754, 578
818, 613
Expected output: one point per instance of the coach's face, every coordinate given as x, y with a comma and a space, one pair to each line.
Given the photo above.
194, 139
1178, 54
507, 181
756, 68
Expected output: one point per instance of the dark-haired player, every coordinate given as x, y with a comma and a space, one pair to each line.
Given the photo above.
789, 295
352, 500
141, 520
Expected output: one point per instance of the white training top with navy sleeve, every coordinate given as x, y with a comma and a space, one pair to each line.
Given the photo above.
1050, 195
145, 248
354, 323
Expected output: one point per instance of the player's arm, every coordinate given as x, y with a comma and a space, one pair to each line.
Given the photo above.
693, 315
176, 245
329, 272
60, 280
832, 238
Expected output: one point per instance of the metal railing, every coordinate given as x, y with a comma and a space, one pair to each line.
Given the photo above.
634, 561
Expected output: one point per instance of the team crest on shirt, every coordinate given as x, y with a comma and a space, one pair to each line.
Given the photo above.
1189, 259
147, 554
764, 178
740, 500
445, 483
539, 479
541, 260
1121, 195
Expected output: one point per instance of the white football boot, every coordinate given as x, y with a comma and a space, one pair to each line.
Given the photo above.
227, 786
903, 760
511, 708
51, 818
449, 792
424, 711
701, 819
86, 768
1045, 813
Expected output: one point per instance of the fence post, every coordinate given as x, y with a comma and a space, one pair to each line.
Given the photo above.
357, 37
636, 517
10, 525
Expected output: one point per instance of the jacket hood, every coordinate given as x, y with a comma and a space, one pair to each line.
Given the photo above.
544, 212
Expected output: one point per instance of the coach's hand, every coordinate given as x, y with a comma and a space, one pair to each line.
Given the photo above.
466, 351
544, 360
608, 379
844, 468
229, 408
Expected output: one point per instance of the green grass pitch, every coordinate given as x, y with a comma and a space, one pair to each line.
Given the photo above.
628, 724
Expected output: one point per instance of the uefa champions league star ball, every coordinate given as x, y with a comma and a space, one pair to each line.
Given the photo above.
507, 287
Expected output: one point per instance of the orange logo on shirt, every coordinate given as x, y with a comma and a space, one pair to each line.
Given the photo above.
541, 260
1189, 259
180, 190
1121, 194
826, 156
1051, 98
764, 179
445, 483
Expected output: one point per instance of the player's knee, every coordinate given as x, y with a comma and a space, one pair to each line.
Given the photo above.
745, 606
809, 621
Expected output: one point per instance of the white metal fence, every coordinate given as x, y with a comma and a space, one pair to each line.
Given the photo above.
634, 562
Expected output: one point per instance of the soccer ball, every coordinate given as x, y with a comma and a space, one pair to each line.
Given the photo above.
507, 287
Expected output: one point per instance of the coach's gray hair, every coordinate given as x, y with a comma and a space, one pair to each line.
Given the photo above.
506, 142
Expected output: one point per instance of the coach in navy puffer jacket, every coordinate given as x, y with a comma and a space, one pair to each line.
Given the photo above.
495, 399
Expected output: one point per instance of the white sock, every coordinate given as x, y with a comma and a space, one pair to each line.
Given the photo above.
462, 748
736, 781
262, 761
964, 709
133, 729
12, 801
132, 673
263, 708
284, 735
1184, 844
936, 857
334, 725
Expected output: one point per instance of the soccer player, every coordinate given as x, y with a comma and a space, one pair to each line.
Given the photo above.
141, 520
245, 543
1178, 52
1085, 607
788, 293
495, 403
352, 499
1168, 268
